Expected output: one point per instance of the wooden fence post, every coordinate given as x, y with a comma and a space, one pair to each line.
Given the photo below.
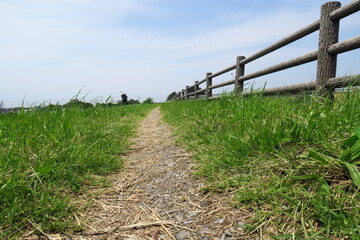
187, 92
240, 71
182, 94
196, 87
208, 85
329, 34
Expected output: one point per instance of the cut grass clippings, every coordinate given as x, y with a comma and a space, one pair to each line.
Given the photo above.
45, 155
293, 161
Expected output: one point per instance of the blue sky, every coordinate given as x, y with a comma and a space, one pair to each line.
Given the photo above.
50, 49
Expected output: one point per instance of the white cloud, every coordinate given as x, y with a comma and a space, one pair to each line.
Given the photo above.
51, 49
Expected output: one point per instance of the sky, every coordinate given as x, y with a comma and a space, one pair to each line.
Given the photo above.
52, 49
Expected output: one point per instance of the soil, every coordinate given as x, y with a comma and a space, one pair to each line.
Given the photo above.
157, 196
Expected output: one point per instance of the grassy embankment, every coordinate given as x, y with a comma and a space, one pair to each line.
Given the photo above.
46, 156
293, 162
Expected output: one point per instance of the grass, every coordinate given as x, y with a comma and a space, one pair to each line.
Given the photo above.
47, 155
292, 161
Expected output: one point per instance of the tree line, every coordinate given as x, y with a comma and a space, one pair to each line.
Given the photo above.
82, 104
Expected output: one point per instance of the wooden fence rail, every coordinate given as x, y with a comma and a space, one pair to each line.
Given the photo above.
326, 57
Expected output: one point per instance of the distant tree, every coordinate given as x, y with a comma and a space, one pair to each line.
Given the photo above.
100, 105
132, 101
171, 95
124, 98
148, 101
78, 103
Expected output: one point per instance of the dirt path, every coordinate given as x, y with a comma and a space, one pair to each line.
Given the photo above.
156, 196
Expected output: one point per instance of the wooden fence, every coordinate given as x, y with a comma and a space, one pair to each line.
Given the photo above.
326, 57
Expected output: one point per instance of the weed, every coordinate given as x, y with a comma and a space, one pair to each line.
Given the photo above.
44, 154
294, 161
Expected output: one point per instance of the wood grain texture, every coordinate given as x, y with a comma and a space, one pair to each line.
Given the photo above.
329, 35
343, 81
285, 41
278, 67
344, 46
201, 91
310, 86
208, 85
196, 87
281, 66
202, 81
232, 67
326, 56
187, 92
345, 11
240, 71
223, 84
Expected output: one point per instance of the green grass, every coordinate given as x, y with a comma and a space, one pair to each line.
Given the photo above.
292, 161
48, 155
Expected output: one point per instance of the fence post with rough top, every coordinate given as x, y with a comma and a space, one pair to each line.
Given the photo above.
208, 85
328, 35
196, 87
239, 72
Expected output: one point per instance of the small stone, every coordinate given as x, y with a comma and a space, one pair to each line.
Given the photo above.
188, 222
191, 214
182, 234
219, 221
226, 235
180, 216
172, 211
204, 231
